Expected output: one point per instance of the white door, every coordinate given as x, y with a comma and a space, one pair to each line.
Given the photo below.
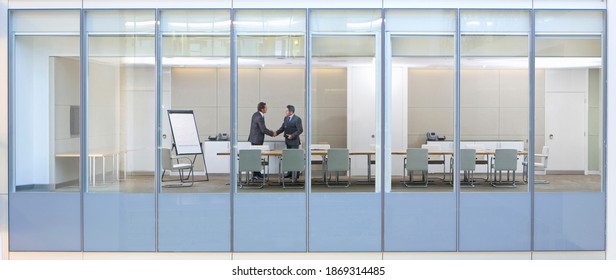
361, 115
565, 119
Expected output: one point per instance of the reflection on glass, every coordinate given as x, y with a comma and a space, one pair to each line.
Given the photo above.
568, 145
47, 102
121, 92
195, 101
345, 101
271, 100
494, 97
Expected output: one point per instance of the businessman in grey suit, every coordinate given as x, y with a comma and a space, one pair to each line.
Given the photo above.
258, 130
292, 128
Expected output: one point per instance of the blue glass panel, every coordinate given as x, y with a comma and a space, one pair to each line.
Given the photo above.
194, 222
570, 221
495, 221
345, 222
119, 222
416, 222
47, 221
270, 222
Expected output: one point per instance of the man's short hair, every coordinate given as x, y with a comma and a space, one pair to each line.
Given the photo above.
291, 108
261, 106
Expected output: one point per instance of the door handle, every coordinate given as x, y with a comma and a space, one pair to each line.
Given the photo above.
551, 136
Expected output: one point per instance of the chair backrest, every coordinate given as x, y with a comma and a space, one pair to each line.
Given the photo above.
250, 160
467, 159
338, 159
417, 159
166, 159
506, 159
292, 160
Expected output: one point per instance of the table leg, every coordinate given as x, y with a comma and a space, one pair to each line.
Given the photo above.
103, 169
93, 171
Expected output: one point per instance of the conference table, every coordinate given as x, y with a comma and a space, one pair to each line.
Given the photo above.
371, 153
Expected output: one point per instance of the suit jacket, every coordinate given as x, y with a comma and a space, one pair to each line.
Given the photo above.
258, 129
293, 128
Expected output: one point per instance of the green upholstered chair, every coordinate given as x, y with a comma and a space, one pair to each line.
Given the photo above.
416, 160
504, 160
337, 160
250, 161
293, 161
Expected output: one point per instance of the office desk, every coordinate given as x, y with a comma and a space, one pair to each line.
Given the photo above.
92, 163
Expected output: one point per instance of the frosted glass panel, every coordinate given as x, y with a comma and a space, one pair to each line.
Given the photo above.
122, 21
494, 21
195, 21
45, 21
569, 22
270, 21
346, 21
421, 21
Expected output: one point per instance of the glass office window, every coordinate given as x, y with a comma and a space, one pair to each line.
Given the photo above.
44, 208
46, 69
569, 121
121, 131
194, 205
195, 101
121, 95
270, 203
421, 116
270, 46
494, 98
494, 92
346, 97
568, 98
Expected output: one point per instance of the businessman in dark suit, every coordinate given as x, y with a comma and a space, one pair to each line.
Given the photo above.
258, 130
292, 128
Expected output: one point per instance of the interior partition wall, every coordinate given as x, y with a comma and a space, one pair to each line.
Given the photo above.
268, 216
193, 204
345, 214
570, 114
89, 137
420, 215
118, 201
494, 94
45, 207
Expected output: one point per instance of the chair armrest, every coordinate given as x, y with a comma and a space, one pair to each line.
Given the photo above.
182, 157
541, 155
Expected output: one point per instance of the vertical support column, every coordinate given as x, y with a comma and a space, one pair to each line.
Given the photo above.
84, 162
159, 126
308, 171
609, 132
456, 130
233, 118
385, 66
7, 128
531, 126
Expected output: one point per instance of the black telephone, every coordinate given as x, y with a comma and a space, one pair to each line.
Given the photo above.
431, 136
222, 137
219, 137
